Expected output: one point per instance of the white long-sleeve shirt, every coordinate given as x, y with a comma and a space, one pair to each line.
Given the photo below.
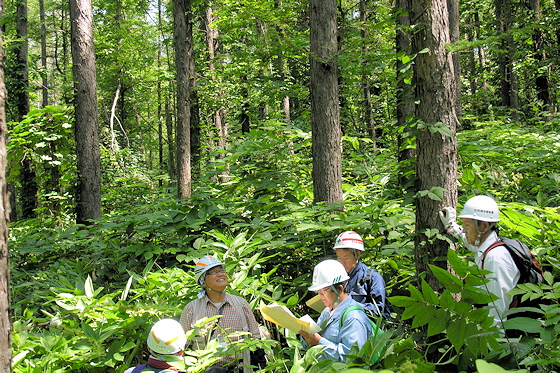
503, 278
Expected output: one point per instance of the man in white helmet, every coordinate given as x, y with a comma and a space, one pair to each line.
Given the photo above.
365, 285
166, 342
213, 300
479, 231
343, 321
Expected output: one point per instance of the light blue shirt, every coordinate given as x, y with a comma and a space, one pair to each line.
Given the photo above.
338, 340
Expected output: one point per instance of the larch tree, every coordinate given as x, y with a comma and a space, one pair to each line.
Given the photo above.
182, 29
86, 129
436, 164
325, 114
5, 324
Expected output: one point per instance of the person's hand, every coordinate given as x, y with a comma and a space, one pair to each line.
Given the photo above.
312, 339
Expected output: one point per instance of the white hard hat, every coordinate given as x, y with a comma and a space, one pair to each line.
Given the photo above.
349, 240
328, 272
481, 208
167, 337
203, 265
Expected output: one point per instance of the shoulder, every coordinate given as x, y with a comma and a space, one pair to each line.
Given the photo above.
500, 255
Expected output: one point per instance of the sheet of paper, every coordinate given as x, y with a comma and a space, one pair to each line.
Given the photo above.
316, 303
282, 316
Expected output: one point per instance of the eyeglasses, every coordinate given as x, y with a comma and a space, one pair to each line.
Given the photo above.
215, 271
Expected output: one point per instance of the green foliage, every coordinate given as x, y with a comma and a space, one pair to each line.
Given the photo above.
96, 289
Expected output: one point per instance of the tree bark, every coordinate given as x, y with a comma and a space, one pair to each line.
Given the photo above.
5, 323
20, 95
435, 85
541, 80
44, 87
218, 116
88, 204
508, 76
183, 53
368, 109
404, 94
325, 114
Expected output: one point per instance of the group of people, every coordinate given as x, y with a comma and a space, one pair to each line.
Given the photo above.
353, 295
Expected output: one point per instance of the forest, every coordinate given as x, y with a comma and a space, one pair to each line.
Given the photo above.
140, 135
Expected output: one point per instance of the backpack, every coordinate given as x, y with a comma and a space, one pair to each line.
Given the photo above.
530, 270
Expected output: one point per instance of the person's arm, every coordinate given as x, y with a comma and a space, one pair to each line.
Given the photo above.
251, 321
376, 293
503, 278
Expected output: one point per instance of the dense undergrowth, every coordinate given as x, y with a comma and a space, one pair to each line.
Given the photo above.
83, 297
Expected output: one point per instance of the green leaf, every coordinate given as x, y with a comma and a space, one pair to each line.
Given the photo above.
415, 293
439, 323
402, 301
485, 367
423, 317
449, 281
412, 311
524, 324
429, 294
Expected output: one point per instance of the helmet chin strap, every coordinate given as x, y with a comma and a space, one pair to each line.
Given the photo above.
335, 304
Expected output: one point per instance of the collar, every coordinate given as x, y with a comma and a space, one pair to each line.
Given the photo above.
207, 299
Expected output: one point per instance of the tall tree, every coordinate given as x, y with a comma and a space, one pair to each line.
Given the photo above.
404, 94
88, 204
541, 79
218, 115
325, 114
508, 75
436, 165
20, 95
183, 53
5, 324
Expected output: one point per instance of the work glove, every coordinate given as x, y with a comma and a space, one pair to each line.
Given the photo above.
448, 217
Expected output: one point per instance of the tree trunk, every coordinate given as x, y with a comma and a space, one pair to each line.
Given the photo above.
436, 167
368, 109
508, 76
325, 114
88, 205
20, 95
5, 322
541, 80
218, 117
404, 94
44, 74
183, 53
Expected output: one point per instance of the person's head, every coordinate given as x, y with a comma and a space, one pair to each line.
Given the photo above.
479, 216
210, 273
166, 338
348, 247
329, 281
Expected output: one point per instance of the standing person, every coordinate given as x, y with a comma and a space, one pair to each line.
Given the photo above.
479, 232
343, 321
213, 300
166, 342
365, 285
